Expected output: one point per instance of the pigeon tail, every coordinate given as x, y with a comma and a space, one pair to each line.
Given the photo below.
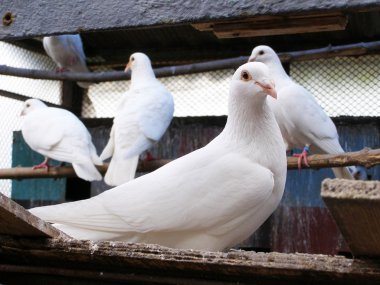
108, 149
342, 172
121, 171
84, 85
87, 171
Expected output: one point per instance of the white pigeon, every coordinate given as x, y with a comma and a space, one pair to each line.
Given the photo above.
141, 119
67, 52
58, 134
209, 199
302, 121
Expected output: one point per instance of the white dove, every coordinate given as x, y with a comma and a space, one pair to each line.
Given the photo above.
67, 52
302, 121
143, 116
209, 199
59, 134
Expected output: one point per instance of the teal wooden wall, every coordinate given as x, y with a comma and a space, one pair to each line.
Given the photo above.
34, 192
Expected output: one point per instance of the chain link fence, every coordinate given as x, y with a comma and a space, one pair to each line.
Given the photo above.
343, 86
10, 120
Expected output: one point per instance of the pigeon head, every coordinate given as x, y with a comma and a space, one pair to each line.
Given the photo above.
137, 60
253, 78
30, 105
264, 54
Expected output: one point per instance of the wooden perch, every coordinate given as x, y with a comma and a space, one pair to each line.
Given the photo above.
330, 51
366, 157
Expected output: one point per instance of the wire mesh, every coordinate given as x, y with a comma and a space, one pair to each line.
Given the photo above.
47, 90
200, 94
10, 109
344, 86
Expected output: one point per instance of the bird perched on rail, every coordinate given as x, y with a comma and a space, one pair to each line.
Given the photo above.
302, 121
209, 199
143, 116
67, 52
58, 134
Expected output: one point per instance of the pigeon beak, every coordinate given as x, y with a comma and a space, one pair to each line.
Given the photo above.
268, 88
22, 113
252, 59
128, 67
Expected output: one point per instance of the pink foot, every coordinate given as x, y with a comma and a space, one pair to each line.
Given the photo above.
149, 156
43, 164
302, 157
60, 69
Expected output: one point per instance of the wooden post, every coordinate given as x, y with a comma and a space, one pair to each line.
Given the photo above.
355, 206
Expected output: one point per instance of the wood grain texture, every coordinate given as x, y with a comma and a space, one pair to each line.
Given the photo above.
355, 206
366, 157
43, 17
15, 220
151, 264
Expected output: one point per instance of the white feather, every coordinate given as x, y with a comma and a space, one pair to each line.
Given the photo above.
67, 52
59, 134
210, 199
302, 121
140, 121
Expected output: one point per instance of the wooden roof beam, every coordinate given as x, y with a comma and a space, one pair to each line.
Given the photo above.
37, 18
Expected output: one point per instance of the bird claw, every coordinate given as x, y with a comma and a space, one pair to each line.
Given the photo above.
42, 165
302, 157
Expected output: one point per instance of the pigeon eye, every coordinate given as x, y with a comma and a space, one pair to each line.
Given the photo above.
261, 52
245, 76
132, 58
27, 105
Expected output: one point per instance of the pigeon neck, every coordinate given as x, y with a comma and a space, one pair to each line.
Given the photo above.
140, 76
247, 118
279, 73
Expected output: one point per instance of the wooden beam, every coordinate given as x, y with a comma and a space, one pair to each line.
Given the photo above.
15, 220
72, 97
355, 206
366, 157
152, 264
24, 21
276, 25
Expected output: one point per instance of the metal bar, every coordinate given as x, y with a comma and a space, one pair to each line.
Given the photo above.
330, 51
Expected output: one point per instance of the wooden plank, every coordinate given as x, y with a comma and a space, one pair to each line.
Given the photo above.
24, 21
153, 264
34, 192
355, 206
15, 220
256, 27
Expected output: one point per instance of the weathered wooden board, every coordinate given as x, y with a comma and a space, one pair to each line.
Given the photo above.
276, 25
43, 17
355, 206
15, 220
106, 262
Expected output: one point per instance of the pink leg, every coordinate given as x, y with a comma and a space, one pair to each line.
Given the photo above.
60, 69
303, 157
43, 164
148, 156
